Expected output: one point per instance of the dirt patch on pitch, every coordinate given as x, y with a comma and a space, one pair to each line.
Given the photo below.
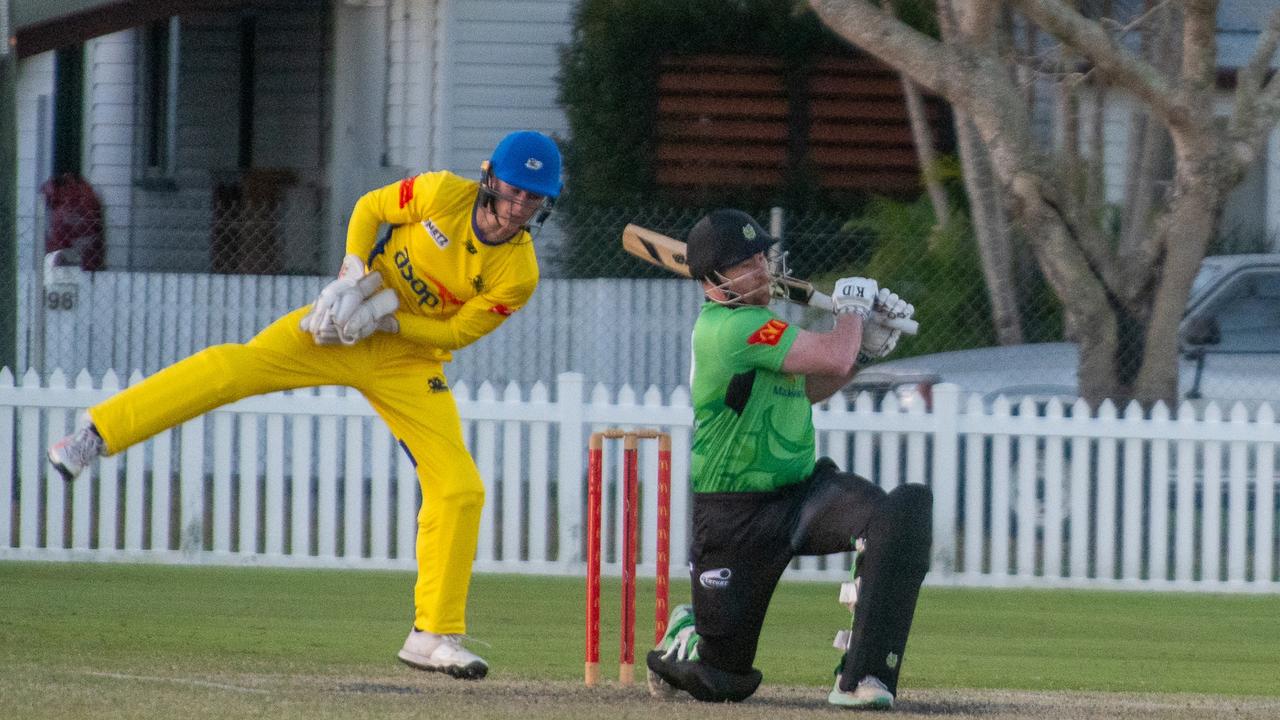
534, 700
283, 695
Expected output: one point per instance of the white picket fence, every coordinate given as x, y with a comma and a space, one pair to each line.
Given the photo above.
1059, 498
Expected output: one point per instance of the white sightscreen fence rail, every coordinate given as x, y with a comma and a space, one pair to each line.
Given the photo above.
1028, 495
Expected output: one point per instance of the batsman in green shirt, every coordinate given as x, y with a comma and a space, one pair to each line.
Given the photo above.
760, 496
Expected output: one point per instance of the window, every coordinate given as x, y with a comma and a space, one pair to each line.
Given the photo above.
159, 97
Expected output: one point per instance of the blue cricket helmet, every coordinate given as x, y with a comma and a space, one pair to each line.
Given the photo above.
530, 161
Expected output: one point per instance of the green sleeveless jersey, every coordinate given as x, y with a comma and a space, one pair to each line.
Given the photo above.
753, 423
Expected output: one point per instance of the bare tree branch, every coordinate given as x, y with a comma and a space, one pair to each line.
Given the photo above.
922, 134
1269, 103
977, 18
911, 52
1251, 76
1111, 60
1258, 105
1200, 45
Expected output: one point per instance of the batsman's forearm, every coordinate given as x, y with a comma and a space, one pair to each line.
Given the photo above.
820, 387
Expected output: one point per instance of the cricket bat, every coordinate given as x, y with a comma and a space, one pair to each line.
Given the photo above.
669, 253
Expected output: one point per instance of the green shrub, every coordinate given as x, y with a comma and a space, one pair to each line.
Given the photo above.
938, 269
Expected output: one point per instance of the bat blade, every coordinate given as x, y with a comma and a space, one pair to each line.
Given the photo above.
656, 249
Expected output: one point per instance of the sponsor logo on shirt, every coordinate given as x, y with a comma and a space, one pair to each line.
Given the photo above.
406, 191
437, 384
502, 310
717, 579
427, 295
768, 334
436, 234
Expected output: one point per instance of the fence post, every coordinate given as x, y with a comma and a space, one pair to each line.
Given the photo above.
946, 458
191, 487
8, 449
569, 475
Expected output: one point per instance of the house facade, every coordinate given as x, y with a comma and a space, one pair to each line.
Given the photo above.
235, 136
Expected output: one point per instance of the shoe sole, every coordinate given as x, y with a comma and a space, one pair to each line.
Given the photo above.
67, 475
658, 687
472, 671
855, 704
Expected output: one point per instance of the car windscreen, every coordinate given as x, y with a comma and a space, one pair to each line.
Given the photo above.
1246, 314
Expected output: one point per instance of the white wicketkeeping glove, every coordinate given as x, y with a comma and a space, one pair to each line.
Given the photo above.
854, 294
878, 339
378, 312
319, 322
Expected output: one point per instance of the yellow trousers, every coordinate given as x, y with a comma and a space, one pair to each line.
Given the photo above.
410, 394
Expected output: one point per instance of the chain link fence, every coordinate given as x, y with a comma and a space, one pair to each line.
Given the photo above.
179, 272
898, 243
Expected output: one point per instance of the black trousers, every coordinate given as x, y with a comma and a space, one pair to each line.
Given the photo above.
742, 543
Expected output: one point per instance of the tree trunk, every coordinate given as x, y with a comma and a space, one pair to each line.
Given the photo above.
1186, 229
986, 209
990, 231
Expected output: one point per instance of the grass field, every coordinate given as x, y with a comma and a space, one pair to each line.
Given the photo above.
137, 641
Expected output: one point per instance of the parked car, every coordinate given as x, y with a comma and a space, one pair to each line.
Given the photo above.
1228, 343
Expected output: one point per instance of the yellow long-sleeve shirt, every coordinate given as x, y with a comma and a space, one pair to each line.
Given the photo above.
453, 288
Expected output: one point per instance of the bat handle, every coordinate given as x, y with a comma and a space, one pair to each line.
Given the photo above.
822, 301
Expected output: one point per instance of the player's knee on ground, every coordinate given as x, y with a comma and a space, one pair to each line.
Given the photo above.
704, 682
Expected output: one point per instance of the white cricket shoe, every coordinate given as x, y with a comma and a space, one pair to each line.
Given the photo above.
871, 694
73, 453
442, 653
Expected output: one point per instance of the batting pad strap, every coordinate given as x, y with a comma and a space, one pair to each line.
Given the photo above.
849, 593
842, 640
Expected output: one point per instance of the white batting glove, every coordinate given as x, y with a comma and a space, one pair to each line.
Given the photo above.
317, 321
855, 295
889, 306
375, 313
878, 339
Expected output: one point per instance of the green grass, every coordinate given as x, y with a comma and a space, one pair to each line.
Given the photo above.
63, 620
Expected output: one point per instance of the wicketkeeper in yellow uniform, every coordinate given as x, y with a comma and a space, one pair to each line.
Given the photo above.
457, 261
